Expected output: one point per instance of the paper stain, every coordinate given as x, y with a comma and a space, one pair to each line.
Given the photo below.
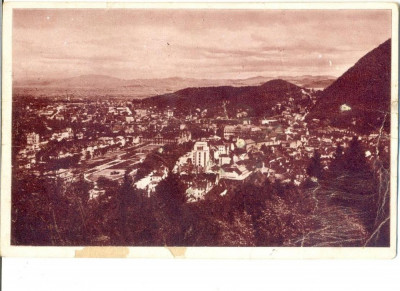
102, 252
177, 252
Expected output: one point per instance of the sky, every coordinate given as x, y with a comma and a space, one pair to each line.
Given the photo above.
209, 44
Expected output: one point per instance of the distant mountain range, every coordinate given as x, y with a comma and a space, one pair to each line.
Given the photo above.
150, 87
360, 98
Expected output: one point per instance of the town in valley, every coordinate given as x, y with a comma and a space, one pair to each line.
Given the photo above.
108, 139
258, 135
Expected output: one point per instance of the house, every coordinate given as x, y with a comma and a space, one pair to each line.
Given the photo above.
59, 117
240, 157
129, 119
219, 148
234, 172
159, 175
141, 112
120, 140
295, 144
269, 121
224, 159
159, 139
67, 134
184, 136
244, 131
65, 175
33, 141
250, 144
198, 190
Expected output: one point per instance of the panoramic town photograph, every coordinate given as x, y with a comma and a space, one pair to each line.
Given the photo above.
201, 127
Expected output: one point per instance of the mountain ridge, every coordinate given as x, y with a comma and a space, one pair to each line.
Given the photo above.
257, 101
365, 89
176, 83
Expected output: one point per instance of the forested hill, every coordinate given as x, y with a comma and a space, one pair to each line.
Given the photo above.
258, 100
360, 98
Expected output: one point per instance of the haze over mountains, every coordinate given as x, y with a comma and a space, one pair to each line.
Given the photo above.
361, 96
141, 88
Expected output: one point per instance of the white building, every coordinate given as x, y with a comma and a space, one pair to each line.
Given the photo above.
170, 113
141, 112
66, 134
201, 155
129, 119
32, 140
295, 144
266, 121
234, 172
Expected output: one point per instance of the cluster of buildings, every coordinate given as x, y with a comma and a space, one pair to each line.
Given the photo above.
229, 149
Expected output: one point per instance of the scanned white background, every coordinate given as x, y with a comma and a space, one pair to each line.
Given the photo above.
151, 274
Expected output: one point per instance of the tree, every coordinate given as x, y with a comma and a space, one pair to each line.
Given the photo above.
314, 168
88, 156
220, 131
354, 158
335, 165
266, 150
240, 232
108, 185
79, 197
30, 216
125, 199
170, 198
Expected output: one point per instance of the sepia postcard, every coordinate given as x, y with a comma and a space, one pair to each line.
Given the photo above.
236, 130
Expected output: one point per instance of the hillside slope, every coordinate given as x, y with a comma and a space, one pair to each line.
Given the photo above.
256, 100
360, 98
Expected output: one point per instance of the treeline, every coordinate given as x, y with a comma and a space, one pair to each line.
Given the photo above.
45, 212
347, 205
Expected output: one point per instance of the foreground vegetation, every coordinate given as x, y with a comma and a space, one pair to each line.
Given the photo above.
347, 205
